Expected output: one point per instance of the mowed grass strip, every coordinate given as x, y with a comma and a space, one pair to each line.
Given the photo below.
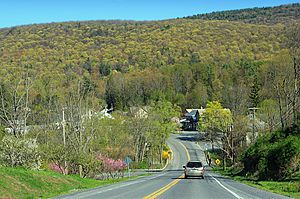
288, 187
22, 183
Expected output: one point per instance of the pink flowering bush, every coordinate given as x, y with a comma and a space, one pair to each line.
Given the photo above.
98, 166
114, 168
57, 168
111, 164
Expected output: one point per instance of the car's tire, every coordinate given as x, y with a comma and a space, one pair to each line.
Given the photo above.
202, 177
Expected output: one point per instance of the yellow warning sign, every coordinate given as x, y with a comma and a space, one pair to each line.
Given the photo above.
217, 161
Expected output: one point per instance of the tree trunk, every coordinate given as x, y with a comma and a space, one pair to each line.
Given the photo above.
136, 153
280, 107
144, 149
80, 171
224, 162
211, 140
161, 153
295, 91
136, 156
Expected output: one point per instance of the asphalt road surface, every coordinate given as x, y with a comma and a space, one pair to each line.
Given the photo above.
171, 184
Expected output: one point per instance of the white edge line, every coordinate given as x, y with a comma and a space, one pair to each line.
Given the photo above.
166, 164
200, 146
235, 195
85, 194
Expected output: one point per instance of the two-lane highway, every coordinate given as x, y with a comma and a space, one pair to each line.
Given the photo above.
171, 184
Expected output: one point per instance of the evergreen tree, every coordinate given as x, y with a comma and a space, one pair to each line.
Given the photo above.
254, 94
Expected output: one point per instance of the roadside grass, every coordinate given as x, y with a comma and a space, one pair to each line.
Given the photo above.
23, 183
145, 165
289, 187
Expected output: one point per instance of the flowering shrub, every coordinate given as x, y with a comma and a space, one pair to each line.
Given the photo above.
113, 167
93, 166
57, 168
19, 152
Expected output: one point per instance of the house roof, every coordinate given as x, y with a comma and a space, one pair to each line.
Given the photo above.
200, 111
140, 112
192, 113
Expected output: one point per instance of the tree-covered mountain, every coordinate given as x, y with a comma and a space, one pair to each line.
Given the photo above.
63, 53
124, 45
267, 15
130, 63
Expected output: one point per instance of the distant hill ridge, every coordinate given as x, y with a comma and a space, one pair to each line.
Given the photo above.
266, 15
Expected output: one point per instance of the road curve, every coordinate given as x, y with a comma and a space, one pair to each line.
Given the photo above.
170, 184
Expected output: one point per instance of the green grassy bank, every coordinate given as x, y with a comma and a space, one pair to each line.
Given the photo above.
289, 187
22, 183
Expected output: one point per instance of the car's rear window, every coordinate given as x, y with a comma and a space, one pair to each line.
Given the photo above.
194, 164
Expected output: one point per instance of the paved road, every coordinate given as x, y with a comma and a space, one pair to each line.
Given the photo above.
170, 184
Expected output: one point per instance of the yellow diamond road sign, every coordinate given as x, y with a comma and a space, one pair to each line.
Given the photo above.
218, 161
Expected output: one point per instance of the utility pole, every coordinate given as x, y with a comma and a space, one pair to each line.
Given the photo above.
253, 122
231, 143
64, 136
64, 126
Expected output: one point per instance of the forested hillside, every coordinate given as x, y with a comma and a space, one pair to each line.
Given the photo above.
62, 53
269, 15
124, 45
127, 63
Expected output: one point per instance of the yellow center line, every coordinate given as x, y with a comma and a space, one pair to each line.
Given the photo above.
171, 184
187, 152
157, 191
163, 189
